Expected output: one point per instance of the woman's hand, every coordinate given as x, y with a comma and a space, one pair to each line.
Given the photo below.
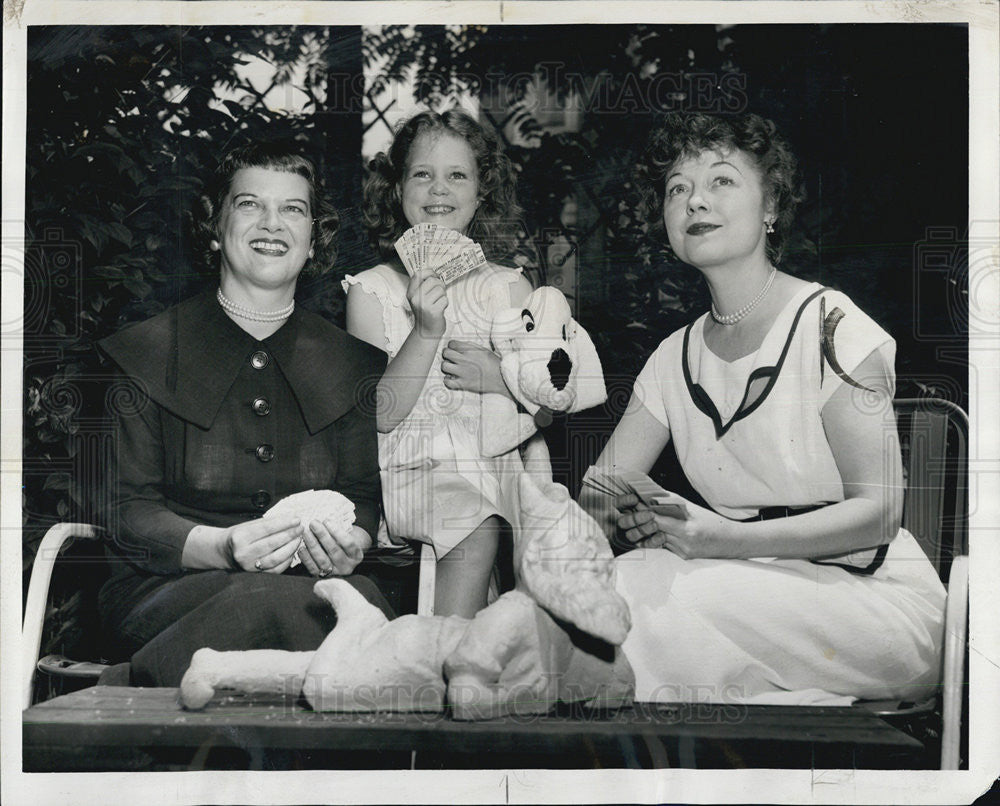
426, 295
330, 551
266, 544
703, 534
471, 368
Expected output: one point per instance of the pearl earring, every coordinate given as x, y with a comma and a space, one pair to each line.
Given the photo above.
770, 227
312, 253
214, 245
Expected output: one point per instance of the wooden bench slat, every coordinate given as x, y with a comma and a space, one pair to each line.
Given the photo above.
106, 716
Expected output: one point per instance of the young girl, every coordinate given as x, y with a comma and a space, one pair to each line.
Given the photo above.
437, 486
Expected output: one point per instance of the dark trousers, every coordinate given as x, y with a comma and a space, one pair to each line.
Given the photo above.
226, 610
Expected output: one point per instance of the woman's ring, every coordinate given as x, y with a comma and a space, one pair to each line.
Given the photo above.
325, 573
256, 564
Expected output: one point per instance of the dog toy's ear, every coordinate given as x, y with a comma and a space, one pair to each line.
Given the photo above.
590, 390
503, 427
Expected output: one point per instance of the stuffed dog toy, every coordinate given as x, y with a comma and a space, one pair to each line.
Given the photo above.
549, 364
554, 638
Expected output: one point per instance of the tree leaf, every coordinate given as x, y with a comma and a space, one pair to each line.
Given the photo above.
56, 481
109, 272
139, 288
120, 233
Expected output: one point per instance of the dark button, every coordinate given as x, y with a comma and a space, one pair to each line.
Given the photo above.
261, 406
259, 359
260, 499
265, 452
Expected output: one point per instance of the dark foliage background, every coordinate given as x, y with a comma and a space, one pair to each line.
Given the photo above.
123, 128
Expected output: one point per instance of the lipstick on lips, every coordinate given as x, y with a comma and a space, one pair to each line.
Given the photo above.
702, 228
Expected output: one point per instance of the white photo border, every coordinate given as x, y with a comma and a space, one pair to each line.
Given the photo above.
535, 786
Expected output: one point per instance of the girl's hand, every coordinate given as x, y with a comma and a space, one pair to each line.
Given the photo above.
266, 544
471, 368
329, 551
428, 300
704, 534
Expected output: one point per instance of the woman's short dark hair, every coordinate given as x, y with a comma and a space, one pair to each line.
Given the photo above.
494, 225
282, 156
685, 135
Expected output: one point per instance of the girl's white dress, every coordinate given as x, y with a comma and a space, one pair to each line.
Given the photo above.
749, 435
437, 487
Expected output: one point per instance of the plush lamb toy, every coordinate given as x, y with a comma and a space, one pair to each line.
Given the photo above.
549, 364
555, 637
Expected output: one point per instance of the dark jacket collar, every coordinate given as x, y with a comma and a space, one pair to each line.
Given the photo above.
188, 357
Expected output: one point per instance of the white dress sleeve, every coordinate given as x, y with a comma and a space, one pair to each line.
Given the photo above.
397, 319
500, 281
847, 337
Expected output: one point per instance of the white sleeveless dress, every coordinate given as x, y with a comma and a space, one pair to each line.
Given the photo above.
437, 487
768, 630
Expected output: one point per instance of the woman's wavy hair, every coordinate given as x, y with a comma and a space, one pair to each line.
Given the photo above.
494, 225
275, 156
689, 134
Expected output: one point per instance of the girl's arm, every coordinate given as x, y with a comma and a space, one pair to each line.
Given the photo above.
471, 368
404, 378
861, 430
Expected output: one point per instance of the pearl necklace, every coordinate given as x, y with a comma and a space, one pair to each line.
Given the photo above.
253, 315
733, 318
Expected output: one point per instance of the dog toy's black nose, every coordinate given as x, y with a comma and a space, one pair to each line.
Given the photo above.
559, 368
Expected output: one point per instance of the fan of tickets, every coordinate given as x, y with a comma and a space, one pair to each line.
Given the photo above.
315, 505
642, 486
446, 252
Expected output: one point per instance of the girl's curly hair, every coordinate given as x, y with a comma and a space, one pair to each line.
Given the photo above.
685, 135
494, 225
275, 156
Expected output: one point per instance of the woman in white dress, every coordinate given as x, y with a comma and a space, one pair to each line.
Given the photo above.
798, 585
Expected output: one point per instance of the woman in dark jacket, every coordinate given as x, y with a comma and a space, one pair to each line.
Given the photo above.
233, 400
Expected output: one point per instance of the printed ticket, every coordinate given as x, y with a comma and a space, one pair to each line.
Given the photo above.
465, 261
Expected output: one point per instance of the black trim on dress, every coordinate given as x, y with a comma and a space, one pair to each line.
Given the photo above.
705, 404
771, 513
869, 569
828, 329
